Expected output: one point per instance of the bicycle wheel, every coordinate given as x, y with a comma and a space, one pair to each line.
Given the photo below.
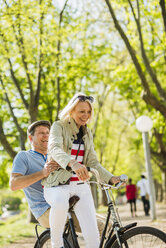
141, 237
45, 241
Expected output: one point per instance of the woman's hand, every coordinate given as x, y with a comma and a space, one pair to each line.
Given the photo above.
114, 180
80, 170
82, 173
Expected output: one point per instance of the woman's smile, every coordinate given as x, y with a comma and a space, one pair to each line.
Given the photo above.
81, 113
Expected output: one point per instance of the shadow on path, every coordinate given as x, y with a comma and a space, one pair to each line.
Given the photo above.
125, 215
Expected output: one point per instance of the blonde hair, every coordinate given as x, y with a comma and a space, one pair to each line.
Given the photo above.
66, 112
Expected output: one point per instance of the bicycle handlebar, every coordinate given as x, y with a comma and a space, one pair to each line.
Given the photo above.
123, 179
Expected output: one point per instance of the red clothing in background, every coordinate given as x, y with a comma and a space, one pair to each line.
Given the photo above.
131, 191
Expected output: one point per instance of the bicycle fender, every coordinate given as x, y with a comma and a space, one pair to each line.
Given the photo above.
127, 227
40, 236
121, 231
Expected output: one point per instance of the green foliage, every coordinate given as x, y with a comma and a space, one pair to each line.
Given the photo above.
8, 194
11, 200
115, 137
4, 177
11, 203
91, 57
15, 227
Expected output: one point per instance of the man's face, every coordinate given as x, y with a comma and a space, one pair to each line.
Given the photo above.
39, 140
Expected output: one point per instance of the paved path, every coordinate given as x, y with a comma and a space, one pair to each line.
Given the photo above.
159, 223
126, 218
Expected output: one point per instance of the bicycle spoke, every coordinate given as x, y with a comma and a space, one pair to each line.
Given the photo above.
145, 241
142, 237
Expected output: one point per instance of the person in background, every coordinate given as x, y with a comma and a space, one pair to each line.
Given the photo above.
142, 185
71, 145
131, 194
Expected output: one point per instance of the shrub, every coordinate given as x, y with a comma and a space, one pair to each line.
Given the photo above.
11, 203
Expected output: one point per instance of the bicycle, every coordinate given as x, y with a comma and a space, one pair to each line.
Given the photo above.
129, 236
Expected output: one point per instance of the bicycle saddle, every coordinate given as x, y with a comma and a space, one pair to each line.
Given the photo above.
72, 201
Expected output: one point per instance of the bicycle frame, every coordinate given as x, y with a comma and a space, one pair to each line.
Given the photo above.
117, 234
116, 227
72, 229
114, 233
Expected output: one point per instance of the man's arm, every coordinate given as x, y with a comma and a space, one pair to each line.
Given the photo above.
19, 181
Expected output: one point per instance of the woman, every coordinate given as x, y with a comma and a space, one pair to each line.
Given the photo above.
71, 146
131, 194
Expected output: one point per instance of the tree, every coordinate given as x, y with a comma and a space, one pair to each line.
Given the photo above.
30, 66
149, 60
48, 54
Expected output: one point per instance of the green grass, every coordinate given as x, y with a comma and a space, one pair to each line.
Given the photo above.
15, 228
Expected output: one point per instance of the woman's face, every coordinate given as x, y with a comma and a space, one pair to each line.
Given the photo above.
81, 113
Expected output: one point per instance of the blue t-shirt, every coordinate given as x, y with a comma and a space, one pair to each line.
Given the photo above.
26, 163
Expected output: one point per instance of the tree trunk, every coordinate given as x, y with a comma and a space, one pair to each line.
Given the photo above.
159, 191
104, 199
164, 186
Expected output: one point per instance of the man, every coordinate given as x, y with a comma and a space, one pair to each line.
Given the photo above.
144, 190
29, 167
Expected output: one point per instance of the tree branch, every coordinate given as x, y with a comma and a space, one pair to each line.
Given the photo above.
163, 11
152, 74
20, 130
156, 158
5, 143
118, 149
20, 43
152, 100
39, 67
129, 47
16, 82
14, 79
159, 138
58, 59
147, 96
101, 100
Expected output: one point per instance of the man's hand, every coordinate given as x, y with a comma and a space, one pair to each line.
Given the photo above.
19, 181
50, 167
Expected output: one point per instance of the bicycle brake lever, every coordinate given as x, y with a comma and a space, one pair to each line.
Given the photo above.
123, 179
117, 185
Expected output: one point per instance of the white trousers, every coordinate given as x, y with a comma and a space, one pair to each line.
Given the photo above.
58, 198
